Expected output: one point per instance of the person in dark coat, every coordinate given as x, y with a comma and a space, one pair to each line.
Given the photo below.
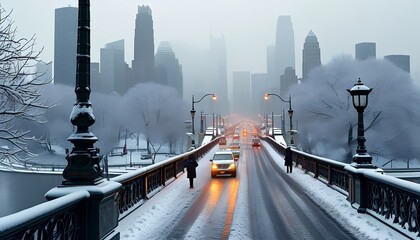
288, 159
191, 164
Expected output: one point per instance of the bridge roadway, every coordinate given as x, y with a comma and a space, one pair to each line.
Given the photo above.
262, 202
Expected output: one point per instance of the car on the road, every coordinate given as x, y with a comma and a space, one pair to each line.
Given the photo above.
222, 140
223, 163
235, 137
234, 146
256, 142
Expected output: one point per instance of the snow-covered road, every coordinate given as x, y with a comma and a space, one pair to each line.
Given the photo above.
263, 202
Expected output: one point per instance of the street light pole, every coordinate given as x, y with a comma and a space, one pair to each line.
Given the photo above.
359, 93
193, 110
290, 111
83, 160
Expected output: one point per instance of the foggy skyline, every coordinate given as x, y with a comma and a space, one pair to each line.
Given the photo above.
248, 26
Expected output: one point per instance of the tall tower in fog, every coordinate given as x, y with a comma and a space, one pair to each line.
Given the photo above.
401, 61
241, 93
311, 54
219, 66
144, 48
65, 45
365, 50
168, 69
285, 46
113, 68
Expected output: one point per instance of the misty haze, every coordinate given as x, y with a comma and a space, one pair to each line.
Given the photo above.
295, 115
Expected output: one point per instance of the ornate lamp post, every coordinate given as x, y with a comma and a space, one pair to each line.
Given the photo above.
290, 111
193, 110
83, 160
359, 93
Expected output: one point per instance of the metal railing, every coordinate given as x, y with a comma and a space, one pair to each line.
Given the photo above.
68, 217
394, 201
140, 184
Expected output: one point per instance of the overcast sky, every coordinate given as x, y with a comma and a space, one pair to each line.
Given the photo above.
248, 26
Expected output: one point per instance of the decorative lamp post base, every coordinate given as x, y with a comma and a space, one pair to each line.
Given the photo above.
362, 160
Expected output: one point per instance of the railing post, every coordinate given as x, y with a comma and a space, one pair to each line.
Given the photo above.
329, 175
358, 188
316, 169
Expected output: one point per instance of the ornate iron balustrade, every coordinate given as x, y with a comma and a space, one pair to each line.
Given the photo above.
322, 168
141, 184
393, 200
66, 217
63, 218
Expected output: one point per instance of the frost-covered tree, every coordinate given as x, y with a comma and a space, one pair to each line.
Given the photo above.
325, 112
155, 110
19, 89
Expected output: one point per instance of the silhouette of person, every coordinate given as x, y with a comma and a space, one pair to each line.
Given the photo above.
191, 165
288, 159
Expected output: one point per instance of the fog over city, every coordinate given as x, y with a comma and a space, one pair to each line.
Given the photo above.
248, 27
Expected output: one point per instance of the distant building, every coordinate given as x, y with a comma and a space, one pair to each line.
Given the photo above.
94, 77
288, 79
168, 69
259, 87
272, 71
44, 71
401, 61
65, 45
285, 46
219, 83
311, 54
144, 48
113, 69
365, 50
241, 92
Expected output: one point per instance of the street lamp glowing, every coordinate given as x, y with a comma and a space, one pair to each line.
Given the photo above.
193, 110
290, 111
266, 96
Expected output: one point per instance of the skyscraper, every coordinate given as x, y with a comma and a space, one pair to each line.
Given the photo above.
285, 45
113, 69
241, 92
258, 89
144, 48
44, 71
219, 73
288, 79
168, 69
401, 61
65, 45
365, 50
311, 54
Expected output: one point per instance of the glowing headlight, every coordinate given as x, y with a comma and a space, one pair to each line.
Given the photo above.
232, 165
214, 166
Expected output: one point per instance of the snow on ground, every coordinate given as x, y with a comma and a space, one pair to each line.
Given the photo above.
156, 216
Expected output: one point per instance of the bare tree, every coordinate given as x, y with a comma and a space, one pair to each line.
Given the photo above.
156, 111
326, 113
19, 88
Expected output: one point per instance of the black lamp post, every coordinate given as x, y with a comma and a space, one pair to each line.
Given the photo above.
290, 111
193, 110
359, 93
83, 160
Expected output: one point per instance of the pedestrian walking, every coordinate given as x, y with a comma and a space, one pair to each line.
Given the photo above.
191, 165
288, 159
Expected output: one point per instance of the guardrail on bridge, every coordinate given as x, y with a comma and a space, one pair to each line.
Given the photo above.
394, 201
88, 212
